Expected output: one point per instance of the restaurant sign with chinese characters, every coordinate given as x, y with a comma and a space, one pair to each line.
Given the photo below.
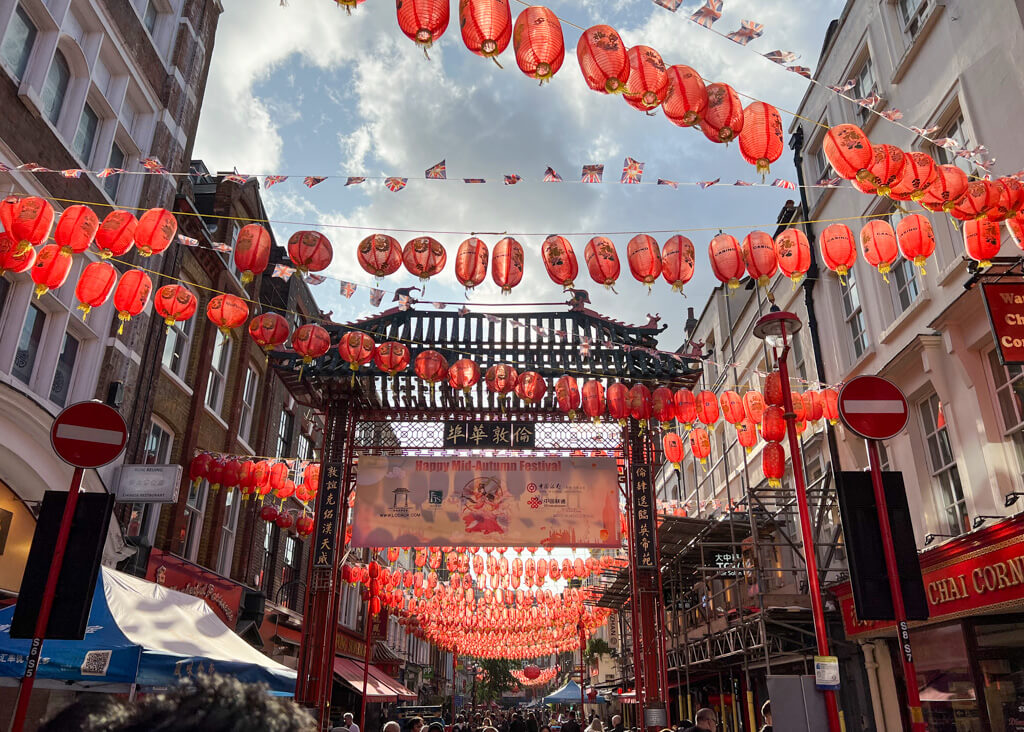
489, 435
329, 515
645, 529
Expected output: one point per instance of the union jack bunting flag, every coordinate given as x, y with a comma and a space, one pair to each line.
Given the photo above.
395, 184
34, 168
539, 330
314, 279
986, 164
221, 246
72, 173
4, 168
869, 102
707, 183
348, 289
742, 183
153, 165
235, 178
107, 172
892, 114
708, 13
463, 310
787, 184
672, 5
313, 180
354, 180
781, 57
187, 240
947, 143
850, 83
439, 305
550, 176
403, 302
827, 182
802, 70
748, 31
632, 171
437, 172
282, 272
474, 180
273, 180
376, 297
592, 173
585, 347
670, 183
925, 131
511, 180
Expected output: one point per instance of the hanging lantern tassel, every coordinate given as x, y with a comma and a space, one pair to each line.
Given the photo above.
124, 318
85, 310
884, 269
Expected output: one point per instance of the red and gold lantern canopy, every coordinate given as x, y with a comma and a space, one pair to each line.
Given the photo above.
663, 408
567, 394
463, 374
674, 449
392, 357
773, 463
946, 190
878, 239
848, 151
486, 26
310, 251
423, 21
227, 312
507, 264
723, 117
640, 402
617, 398
700, 444
356, 349
13, 257
887, 162
707, 407
603, 59
116, 234
759, 256
501, 379
761, 142
269, 330
746, 434
732, 407
838, 249
982, 241
793, 252
644, 256
538, 43
981, 197
311, 341
471, 263
252, 251
95, 285
131, 295
379, 255
677, 257
560, 260
76, 229
602, 261
51, 269
531, 387
686, 96
919, 172
155, 231
647, 82
592, 397
431, 366
174, 303
773, 424
424, 257
916, 239
726, 260
27, 220
685, 403
753, 405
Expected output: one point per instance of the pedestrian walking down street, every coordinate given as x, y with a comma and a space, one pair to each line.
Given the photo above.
766, 712
705, 721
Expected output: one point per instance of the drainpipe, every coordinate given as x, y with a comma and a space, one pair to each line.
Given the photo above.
871, 665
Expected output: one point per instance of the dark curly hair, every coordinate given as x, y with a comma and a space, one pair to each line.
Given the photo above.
210, 703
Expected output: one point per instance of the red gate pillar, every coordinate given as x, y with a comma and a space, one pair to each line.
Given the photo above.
648, 634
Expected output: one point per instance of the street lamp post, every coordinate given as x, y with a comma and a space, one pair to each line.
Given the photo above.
776, 328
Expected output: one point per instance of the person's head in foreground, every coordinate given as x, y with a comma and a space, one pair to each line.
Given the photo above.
706, 719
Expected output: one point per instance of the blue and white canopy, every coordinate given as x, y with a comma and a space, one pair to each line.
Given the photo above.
141, 633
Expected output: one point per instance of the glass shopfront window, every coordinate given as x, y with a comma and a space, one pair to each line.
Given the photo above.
948, 697
1000, 654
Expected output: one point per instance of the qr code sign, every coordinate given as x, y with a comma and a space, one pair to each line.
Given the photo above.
96, 663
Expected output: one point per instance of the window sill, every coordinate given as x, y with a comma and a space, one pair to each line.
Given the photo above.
217, 417
957, 266
915, 44
858, 363
177, 380
922, 299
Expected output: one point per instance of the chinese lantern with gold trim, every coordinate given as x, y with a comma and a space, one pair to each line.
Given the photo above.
602, 261
155, 231
379, 255
310, 251
13, 258
700, 444
946, 190
644, 258
919, 172
663, 408
603, 59
753, 405
252, 251
424, 257
356, 349
567, 394
471, 263
773, 424
560, 260
848, 151
773, 389
1014, 224
592, 398
798, 406
27, 220
538, 43
814, 405
226, 312
773, 463
980, 198
722, 120
830, 405
732, 407
132, 295
423, 21
463, 374
76, 230
674, 450
431, 366
392, 357
686, 96
793, 252
685, 403
507, 264
311, 341
647, 81
174, 303
746, 434
501, 379
486, 26
982, 240
95, 285
617, 398
838, 249
639, 399
878, 239
761, 142
677, 259
268, 331
1011, 199
51, 269
116, 234
726, 260
887, 162
759, 257
916, 239
531, 387
707, 407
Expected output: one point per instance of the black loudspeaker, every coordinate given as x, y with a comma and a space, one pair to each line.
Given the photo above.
77, 581
864, 546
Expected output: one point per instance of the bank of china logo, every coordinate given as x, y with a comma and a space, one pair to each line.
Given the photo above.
535, 502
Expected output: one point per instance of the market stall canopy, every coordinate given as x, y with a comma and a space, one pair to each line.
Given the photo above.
568, 694
142, 633
380, 688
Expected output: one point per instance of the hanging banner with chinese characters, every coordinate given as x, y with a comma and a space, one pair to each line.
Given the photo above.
489, 435
328, 516
645, 530
493, 501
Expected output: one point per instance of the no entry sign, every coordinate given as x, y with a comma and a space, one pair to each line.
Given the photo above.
873, 408
88, 434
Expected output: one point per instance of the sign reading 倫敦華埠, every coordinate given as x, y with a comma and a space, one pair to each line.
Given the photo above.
492, 501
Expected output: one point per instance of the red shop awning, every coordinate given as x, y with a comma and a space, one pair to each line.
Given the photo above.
380, 687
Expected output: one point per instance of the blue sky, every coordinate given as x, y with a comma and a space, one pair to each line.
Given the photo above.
309, 90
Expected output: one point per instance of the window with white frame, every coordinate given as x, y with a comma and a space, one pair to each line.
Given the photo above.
28, 344
195, 508
85, 136
946, 486
268, 545
1009, 390
955, 129
117, 159
60, 387
285, 427
16, 47
903, 286
150, 17
853, 315
863, 88
228, 530
249, 389
217, 381
143, 517
885, 461
290, 573
799, 361
55, 87
176, 347
303, 448
911, 13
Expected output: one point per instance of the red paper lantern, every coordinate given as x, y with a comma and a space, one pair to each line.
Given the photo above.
746, 434
726, 260
773, 424
761, 142
95, 285
310, 251
617, 398
28, 220
707, 407
753, 405
311, 341
424, 257
773, 389
155, 231
431, 366
501, 379
603, 59
215, 472
838, 249
567, 394
538, 43
773, 463
116, 234
760, 258
639, 399
887, 162
686, 97
848, 151
1015, 225
379, 254
644, 258
174, 303
131, 295
916, 239
663, 408
723, 117
878, 239
356, 349
1011, 199
814, 405
798, 406
830, 405
268, 331
982, 240
50, 270
76, 229
677, 261
463, 374
592, 397
304, 524
471, 263
268, 512
252, 251
486, 26
946, 190
732, 407
647, 82
560, 260
981, 197
685, 402
199, 467
919, 172
793, 252
531, 387
423, 21
602, 261
674, 451
392, 357
13, 257
226, 312
700, 444
507, 264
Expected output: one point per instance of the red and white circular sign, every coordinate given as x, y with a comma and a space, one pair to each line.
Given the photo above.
88, 434
873, 407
